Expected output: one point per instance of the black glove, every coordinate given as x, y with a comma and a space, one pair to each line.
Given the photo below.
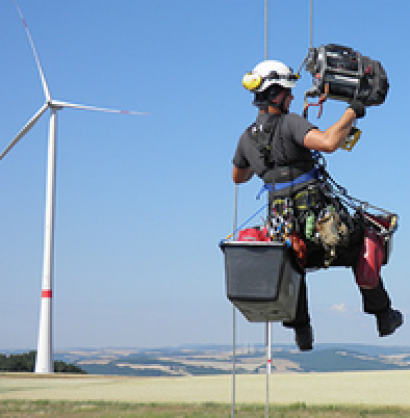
358, 108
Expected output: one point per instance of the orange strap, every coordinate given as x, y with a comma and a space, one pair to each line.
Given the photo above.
319, 103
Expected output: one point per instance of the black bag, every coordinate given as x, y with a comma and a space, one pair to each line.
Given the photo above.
349, 75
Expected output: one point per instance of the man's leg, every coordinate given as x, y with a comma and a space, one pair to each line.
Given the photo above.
376, 301
301, 322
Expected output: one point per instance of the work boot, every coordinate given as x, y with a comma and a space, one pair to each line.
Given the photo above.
388, 322
304, 337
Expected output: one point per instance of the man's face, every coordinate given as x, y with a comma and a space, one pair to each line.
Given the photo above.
288, 101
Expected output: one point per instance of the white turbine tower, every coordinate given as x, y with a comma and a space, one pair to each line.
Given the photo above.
44, 359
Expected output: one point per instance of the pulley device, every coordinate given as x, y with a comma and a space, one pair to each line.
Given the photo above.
343, 74
348, 75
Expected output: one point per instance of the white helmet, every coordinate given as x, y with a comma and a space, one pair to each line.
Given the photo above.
268, 73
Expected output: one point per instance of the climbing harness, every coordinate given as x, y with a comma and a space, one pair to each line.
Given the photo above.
262, 137
319, 213
303, 178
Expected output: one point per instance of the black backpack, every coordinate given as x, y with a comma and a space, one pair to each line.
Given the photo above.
349, 75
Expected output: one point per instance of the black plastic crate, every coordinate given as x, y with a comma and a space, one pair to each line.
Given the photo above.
262, 280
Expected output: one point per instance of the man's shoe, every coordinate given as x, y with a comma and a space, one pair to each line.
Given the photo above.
388, 322
304, 338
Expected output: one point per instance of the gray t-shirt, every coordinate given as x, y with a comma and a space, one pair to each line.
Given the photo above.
288, 147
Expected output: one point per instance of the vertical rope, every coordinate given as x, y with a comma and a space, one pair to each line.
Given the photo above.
268, 365
235, 222
235, 212
233, 361
268, 346
268, 327
311, 23
266, 29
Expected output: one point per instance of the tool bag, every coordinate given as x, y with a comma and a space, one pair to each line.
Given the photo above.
349, 75
256, 233
369, 263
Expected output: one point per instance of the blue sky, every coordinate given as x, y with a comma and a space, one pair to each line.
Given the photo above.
142, 201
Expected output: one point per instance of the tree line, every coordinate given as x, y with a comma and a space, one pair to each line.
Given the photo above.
25, 363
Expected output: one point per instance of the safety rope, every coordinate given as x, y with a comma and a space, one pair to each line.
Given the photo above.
266, 29
311, 24
232, 234
268, 328
233, 395
330, 186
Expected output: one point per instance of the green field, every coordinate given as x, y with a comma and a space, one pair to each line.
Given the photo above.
349, 394
61, 409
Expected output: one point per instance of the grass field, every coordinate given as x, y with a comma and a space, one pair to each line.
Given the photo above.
381, 394
61, 409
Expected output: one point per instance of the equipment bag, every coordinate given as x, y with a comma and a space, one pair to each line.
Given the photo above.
370, 260
349, 75
253, 234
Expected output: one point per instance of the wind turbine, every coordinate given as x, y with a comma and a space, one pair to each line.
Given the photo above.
44, 359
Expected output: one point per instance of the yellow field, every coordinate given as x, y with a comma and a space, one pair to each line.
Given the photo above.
372, 388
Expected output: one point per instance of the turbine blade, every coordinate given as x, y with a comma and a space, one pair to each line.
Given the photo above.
26, 128
33, 48
97, 109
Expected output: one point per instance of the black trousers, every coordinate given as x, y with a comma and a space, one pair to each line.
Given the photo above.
375, 300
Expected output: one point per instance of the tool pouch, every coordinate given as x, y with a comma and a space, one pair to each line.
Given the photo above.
332, 230
370, 260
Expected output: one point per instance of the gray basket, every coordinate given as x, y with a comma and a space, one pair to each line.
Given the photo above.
262, 280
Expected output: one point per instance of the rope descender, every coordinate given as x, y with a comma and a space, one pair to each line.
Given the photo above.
319, 103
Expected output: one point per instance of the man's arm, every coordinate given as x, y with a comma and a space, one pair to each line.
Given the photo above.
332, 138
241, 175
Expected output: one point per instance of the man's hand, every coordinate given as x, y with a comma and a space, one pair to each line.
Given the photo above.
358, 108
241, 175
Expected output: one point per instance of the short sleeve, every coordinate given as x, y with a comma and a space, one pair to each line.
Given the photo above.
297, 127
239, 160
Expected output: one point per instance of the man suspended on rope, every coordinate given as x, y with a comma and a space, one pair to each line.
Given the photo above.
280, 148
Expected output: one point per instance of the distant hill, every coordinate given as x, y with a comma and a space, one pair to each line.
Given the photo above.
212, 359
336, 360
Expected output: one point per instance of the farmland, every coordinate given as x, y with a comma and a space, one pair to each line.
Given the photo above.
217, 360
370, 388
348, 381
343, 394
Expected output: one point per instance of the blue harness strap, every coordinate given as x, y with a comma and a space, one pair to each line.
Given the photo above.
310, 175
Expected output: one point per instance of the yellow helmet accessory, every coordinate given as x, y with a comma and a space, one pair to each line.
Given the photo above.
251, 81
